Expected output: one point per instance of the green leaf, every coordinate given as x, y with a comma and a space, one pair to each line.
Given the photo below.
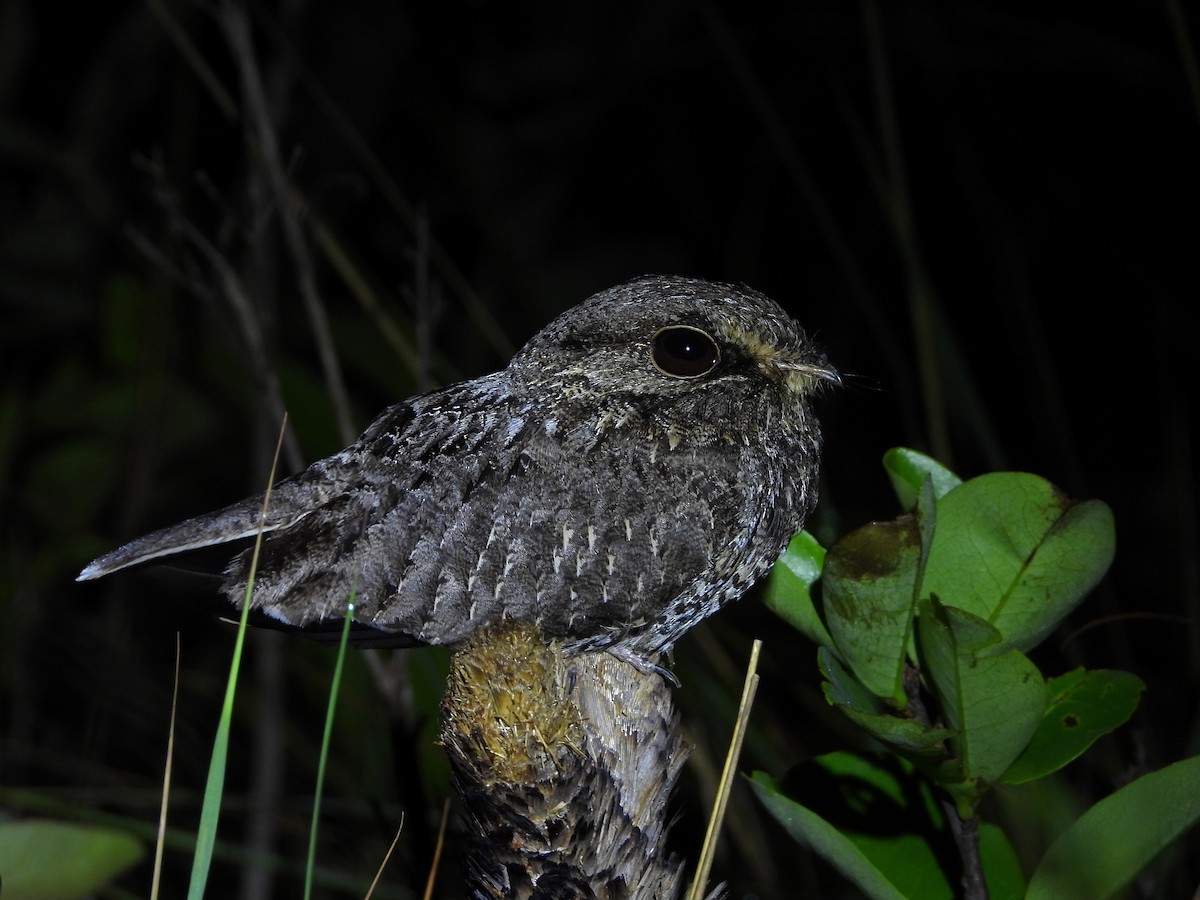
908, 470
1083, 706
810, 829
869, 583
789, 587
994, 698
842, 689
908, 737
1014, 551
890, 814
887, 812
41, 859
1001, 867
1114, 840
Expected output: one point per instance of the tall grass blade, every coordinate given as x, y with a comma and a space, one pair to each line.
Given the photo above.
392, 848
325, 738
160, 841
210, 811
708, 850
431, 881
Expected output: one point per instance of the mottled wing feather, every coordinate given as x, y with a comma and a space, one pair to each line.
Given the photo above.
437, 537
544, 544
387, 501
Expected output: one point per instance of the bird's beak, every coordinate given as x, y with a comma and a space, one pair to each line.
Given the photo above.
805, 375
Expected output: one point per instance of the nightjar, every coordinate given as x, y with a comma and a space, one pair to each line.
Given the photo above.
639, 463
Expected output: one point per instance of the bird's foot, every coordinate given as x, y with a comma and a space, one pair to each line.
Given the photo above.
643, 664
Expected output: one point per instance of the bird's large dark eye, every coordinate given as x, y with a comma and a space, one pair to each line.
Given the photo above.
684, 352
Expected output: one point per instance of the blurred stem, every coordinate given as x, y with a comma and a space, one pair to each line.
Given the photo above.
966, 838
326, 736
898, 205
1187, 50
262, 136
390, 191
194, 58
264, 100
426, 308
779, 133
965, 829
268, 763
231, 287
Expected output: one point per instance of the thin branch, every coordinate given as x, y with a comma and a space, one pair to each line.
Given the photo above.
966, 838
160, 840
394, 196
386, 857
704, 866
229, 286
237, 32
778, 130
899, 209
195, 59
431, 881
368, 295
1187, 50
425, 300
964, 830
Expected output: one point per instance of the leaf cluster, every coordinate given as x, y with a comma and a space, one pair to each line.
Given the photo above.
923, 625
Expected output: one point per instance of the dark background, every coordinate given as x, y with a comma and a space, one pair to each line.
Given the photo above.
986, 211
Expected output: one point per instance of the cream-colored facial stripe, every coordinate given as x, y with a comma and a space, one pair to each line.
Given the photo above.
779, 363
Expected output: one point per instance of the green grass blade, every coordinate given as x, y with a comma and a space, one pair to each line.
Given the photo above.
325, 738
214, 786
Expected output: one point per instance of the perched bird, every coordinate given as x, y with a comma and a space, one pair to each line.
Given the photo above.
639, 463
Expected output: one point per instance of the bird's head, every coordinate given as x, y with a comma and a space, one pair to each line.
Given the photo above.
676, 352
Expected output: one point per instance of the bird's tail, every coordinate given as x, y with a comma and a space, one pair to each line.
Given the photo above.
239, 521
